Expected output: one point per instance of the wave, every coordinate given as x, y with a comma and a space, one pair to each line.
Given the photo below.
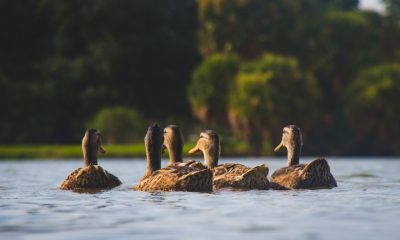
361, 175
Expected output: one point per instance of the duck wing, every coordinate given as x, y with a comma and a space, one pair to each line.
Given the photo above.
286, 177
190, 163
241, 177
177, 177
317, 174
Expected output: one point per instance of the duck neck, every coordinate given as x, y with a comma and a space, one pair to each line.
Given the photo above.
175, 154
89, 156
153, 162
211, 159
293, 155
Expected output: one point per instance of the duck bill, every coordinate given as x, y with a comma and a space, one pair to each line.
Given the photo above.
194, 150
279, 147
102, 150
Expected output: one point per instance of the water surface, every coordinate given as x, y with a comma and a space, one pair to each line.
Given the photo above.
366, 205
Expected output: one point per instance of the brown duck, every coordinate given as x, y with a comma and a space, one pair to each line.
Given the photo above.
314, 175
174, 177
229, 174
91, 175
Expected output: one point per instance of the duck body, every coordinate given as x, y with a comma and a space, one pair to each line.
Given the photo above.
189, 176
90, 177
233, 175
315, 175
229, 175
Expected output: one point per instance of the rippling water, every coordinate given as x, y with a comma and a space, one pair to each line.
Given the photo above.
366, 205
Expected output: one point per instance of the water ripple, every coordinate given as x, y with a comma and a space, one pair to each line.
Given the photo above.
365, 205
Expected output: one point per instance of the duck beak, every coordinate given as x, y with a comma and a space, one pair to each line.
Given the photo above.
102, 150
279, 147
195, 149
163, 149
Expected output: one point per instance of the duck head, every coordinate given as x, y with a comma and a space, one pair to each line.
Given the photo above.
153, 142
293, 141
209, 144
173, 141
92, 145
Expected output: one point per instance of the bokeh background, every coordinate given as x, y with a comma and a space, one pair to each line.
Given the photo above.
243, 67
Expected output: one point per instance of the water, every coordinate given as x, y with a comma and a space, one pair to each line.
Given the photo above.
366, 205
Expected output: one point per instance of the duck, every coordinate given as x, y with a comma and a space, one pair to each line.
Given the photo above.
173, 177
174, 142
229, 175
314, 175
91, 175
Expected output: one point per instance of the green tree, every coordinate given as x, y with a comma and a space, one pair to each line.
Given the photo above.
344, 43
270, 93
373, 111
64, 60
393, 7
119, 124
251, 27
208, 90
339, 45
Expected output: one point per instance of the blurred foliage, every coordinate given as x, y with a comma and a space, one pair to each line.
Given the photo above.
331, 41
119, 125
208, 91
249, 27
270, 93
393, 8
63, 61
345, 43
373, 111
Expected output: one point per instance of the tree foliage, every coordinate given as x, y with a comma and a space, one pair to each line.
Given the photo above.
119, 124
372, 109
67, 59
250, 27
63, 61
269, 93
393, 7
209, 88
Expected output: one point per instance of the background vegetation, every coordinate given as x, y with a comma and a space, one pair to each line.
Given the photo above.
244, 67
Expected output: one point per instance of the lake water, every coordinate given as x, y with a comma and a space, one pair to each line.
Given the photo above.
366, 205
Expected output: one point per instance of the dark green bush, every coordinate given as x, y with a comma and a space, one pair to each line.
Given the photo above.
268, 94
208, 90
372, 108
120, 125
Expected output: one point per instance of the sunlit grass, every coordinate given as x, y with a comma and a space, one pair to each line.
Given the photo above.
71, 151
113, 151
67, 151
